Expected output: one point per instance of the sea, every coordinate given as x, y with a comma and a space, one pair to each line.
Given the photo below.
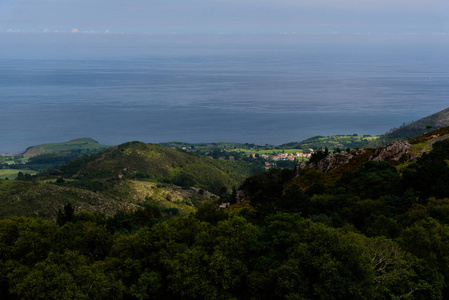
262, 97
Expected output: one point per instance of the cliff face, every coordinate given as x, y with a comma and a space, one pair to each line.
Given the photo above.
393, 151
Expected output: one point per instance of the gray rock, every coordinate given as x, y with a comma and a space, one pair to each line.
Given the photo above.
330, 162
393, 151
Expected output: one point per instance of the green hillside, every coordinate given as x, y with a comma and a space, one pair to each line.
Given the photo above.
44, 198
124, 178
137, 160
414, 129
362, 230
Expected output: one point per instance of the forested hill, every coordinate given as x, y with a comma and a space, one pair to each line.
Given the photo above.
414, 129
159, 163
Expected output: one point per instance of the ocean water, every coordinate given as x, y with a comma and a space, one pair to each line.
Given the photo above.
264, 98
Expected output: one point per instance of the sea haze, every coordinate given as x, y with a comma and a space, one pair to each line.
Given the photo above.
273, 98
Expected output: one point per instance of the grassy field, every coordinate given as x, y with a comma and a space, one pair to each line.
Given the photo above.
13, 159
12, 173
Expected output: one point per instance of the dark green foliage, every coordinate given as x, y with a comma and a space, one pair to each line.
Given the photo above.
305, 260
373, 180
318, 188
148, 215
23, 177
266, 189
209, 212
50, 161
67, 215
69, 169
397, 205
294, 200
429, 240
122, 222
362, 212
66, 276
87, 216
93, 185
60, 180
87, 238
129, 222
429, 176
171, 211
319, 155
288, 257
384, 226
43, 261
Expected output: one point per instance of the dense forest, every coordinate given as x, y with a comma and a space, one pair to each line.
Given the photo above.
378, 231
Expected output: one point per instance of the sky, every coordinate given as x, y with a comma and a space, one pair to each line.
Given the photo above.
129, 26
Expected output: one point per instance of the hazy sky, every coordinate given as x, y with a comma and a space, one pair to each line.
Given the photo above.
66, 23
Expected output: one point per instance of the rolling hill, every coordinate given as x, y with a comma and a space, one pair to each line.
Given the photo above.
137, 160
123, 178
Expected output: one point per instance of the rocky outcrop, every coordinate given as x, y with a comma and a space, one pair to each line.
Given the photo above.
393, 151
330, 162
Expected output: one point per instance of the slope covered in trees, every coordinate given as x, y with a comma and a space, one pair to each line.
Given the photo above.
371, 230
